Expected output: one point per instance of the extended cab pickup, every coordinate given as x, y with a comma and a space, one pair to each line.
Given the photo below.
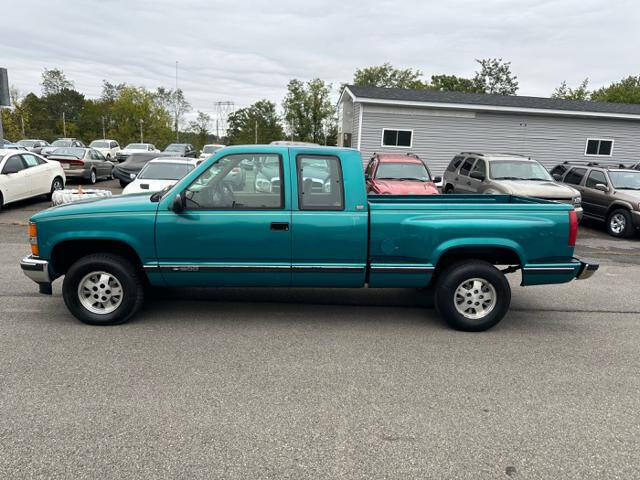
301, 218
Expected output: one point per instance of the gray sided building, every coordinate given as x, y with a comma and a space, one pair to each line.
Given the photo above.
438, 125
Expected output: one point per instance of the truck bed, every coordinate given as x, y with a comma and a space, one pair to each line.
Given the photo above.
410, 235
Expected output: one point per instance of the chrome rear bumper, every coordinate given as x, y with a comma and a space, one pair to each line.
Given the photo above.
586, 270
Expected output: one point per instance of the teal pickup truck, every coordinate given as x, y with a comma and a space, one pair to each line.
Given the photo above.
300, 218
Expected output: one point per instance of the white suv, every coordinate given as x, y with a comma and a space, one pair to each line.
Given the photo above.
108, 148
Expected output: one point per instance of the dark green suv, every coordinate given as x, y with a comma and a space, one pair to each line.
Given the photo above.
610, 193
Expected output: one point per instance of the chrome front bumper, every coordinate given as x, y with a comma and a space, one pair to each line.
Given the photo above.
586, 270
36, 269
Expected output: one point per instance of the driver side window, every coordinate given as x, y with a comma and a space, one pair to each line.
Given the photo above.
239, 181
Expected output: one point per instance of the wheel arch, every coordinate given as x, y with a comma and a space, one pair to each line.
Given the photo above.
66, 252
495, 254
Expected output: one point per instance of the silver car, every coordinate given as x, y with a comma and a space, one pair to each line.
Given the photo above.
511, 174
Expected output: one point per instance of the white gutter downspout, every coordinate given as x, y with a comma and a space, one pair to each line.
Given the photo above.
360, 126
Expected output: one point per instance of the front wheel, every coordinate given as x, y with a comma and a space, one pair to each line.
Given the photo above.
103, 289
472, 296
93, 178
619, 223
57, 184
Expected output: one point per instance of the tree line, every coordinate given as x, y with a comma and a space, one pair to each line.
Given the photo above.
129, 114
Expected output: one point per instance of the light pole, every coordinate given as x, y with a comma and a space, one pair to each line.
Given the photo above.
104, 135
141, 133
64, 126
176, 103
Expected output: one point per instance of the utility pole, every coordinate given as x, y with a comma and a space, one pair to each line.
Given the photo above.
141, 134
1, 130
256, 132
22, 123
217, 131
104, 135
176, 103
64, 126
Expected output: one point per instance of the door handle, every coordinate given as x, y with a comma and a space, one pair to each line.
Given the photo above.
283, 226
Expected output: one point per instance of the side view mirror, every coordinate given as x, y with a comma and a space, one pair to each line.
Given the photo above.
477, 176
177, 205
437, 179
557, 177
602, 187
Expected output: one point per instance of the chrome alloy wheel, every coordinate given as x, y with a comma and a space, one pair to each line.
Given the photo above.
617, 223
57, 184
475, 298
100, 292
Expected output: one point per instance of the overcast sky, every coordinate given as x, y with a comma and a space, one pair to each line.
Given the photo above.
244, 51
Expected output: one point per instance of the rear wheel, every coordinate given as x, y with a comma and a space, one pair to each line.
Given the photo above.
619, 223
122, 184
448, 188
472, 296
57, 184
103, 289
93, 178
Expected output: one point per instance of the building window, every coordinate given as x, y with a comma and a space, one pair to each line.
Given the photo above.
397, 138
599, 147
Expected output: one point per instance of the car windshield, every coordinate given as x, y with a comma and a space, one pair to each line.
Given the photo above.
136, 146
625, 180
99, 144
517, 170
403, 171
165, 171
71, 152
174, 147
210, 148
27, 143
62, 143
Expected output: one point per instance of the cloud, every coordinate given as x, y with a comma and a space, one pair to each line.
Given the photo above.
244, 51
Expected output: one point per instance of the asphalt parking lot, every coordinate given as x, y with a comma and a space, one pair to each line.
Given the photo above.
217, 383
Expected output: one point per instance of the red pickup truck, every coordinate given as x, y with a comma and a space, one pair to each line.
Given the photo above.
397, 174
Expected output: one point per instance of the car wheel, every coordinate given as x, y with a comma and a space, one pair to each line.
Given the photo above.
92, 177
57, 184
103, 289
619, 223
1, 202
472, 296
122, 184
108, 157
448, 188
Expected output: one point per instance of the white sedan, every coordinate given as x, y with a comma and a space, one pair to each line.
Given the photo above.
24, 174
160, 173
108, 148
210, 149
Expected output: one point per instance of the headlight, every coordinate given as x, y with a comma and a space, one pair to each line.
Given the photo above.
132, 176
577, 201
263, 185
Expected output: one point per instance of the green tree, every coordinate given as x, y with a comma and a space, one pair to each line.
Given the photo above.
308, 110
626, 90
495, 77
581, 92
243, 122
200, 128
452, 83
386, 75
175, 102
54, 81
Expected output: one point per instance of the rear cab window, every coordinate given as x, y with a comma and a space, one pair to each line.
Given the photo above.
455, 163
320, 185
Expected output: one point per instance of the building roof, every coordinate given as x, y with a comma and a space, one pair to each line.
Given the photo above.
483, 101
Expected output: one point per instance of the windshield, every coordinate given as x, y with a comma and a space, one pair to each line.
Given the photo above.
99, 144
518, 170
175, 147
27, 143
210, 148
403, 171
62, 143
165, 171
72, 152
625, 180
136, 146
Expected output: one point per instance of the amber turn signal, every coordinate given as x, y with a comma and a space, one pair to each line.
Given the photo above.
33, 239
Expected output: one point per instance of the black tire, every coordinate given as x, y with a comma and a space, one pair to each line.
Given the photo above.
619, 223
128, 276
1, 201
93, 177
454, 277
123, 184
56, 184
448, 189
